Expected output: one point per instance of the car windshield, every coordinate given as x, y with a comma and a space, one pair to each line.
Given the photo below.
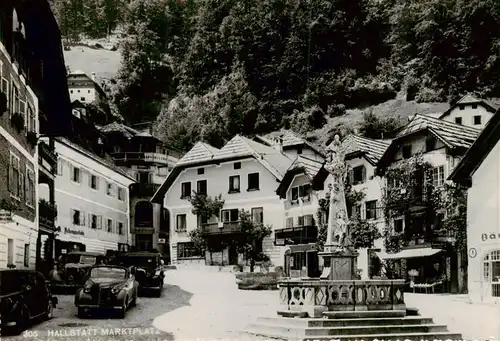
139, 261
108, 273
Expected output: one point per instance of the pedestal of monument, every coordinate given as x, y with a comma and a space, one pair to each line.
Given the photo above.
339, 265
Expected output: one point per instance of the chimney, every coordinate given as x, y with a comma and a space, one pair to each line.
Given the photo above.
93, 76
279, 143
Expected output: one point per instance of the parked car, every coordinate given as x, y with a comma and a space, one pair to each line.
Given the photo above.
72, 271
108, 287
149, 269
24, 297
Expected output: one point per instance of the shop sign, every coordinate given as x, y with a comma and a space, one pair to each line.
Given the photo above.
145, 230
76, 232
490, 236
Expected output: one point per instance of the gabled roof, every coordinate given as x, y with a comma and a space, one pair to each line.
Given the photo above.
302, 165
289, 140
238, 147
371, 149
119, 128
491, 106
453, 135
478, 152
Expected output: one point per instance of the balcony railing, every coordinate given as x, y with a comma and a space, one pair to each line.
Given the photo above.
134, 157
143, 190
221, 228
47, 213
47, 153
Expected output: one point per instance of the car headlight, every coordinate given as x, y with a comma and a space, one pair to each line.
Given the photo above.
116, 290
87, 288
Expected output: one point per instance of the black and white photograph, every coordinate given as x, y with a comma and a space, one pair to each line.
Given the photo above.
242, 170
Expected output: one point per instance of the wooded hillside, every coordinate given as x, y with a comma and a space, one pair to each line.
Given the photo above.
211, 69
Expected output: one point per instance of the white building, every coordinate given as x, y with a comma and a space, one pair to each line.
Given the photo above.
92, 198
362, 156
246, 174
480, 171
84, 89
470, 111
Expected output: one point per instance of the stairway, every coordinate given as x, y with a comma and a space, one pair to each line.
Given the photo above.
384, 325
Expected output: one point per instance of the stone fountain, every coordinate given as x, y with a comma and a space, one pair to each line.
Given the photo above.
338, 287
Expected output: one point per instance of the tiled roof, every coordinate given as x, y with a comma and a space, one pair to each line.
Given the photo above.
452, 134
199, 153
373, 149
289, 139
310, 166
121, 128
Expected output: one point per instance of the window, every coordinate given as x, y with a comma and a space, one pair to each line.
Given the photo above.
5, 90
477, 120
358, 175
15, 98
30, 188
109, 189
181, 223
234, 184
26, 255
185, 190
231, 215
120, 228
371, 209
89, 91
59, 166
143, 214
299, 150
95, 221
201, 171
188, 250
109, 225
14, 176
71, 91
237, 165
398, 225
258, 215
78, 218
430, 144
474, 106
458, 120
253, 181
407, 151
94, 182
31, 120
201, 187
438, 176
82, 99
462, 107
301, 191
121, 194
356, 211
143, 177
75, 176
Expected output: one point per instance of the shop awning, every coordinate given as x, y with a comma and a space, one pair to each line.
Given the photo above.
409, 253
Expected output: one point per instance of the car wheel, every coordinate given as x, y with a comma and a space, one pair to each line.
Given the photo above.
81, 312
50, 310
22, 321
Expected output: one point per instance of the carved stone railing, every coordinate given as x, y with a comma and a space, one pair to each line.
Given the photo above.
317, 296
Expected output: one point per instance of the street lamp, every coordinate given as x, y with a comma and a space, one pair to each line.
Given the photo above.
220, 225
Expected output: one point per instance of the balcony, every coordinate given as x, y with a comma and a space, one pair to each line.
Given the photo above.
47, 214
221, 228
47, 161
416, 198
143, 190
143, 158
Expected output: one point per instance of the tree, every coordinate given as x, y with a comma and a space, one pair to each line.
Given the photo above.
375, 127
252, 236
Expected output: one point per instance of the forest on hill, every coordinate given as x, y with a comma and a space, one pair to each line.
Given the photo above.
208, 69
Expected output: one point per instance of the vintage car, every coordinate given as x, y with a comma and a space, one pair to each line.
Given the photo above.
108, 287
24, 297
149, 269
72, 270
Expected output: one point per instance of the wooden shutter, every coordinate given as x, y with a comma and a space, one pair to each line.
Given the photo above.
363, 173
350, 176
11, 176
22, 186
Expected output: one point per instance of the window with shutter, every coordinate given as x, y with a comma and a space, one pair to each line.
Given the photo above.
15, 177
289, 222
359, 175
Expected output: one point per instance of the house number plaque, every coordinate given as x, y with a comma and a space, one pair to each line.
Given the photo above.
472, 252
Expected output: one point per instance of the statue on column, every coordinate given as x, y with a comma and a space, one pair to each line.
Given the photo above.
337, 234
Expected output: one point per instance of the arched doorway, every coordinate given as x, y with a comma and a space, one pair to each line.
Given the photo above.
491, 273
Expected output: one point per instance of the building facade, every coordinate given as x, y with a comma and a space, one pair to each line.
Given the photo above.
92, 198
84, 89
479, 170
149, 161
245, 174
470, 111
362, 156
414, 224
